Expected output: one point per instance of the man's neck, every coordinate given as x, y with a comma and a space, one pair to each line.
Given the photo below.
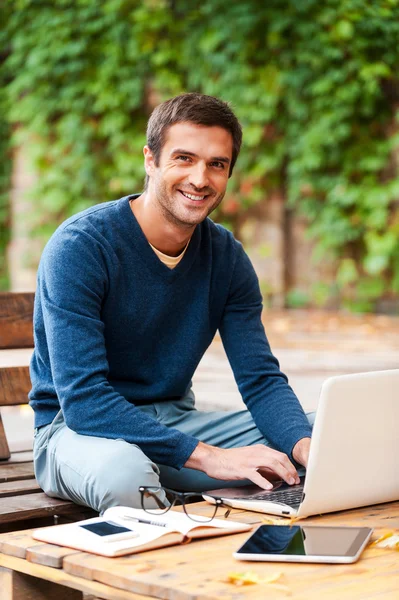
167, 237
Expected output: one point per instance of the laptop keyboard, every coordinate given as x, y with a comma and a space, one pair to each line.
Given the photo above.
291, 497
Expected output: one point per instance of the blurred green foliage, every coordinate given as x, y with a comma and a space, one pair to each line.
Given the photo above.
314, 84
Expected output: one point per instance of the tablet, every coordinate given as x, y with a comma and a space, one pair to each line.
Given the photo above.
304, 543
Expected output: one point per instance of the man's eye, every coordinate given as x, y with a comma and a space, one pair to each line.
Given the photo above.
218, 164
183, 158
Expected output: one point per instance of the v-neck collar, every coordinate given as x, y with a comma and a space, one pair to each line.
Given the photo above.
147, 254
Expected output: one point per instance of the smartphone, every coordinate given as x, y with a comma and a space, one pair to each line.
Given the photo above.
317, 544
109, 531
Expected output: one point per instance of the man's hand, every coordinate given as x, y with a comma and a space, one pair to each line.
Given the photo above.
248, 462
301, 451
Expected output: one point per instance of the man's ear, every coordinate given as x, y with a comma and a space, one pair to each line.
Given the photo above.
149, 161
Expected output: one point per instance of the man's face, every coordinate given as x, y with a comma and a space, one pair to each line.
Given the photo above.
191, 178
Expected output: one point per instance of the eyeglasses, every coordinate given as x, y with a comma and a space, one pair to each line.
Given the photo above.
152, 504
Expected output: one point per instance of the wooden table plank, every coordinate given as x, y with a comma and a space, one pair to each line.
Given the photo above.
16, 543
190, 573
58, 576
48, 555
198, 571
21, 545
19, 586
16, 472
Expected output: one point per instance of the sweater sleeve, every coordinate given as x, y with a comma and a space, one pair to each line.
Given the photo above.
264, 388
72, 285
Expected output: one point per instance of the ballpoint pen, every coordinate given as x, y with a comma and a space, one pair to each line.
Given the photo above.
146, 521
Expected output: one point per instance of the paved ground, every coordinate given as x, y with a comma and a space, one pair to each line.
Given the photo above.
310, 346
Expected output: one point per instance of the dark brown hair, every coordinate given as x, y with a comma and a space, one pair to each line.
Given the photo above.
192, 108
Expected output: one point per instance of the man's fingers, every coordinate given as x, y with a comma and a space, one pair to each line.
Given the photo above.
282, 466
283, 474
244, 462
261, 481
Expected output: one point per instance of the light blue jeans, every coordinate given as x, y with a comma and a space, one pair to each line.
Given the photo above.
100, 472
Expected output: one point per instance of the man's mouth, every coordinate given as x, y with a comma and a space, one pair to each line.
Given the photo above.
195, 197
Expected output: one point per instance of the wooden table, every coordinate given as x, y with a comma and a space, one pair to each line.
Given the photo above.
31, 570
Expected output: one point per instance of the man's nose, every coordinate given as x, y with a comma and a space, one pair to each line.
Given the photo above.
199, 175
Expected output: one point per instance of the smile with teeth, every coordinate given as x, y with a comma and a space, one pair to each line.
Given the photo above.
192, 196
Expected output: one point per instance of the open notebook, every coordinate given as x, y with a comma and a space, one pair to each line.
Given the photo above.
167, 529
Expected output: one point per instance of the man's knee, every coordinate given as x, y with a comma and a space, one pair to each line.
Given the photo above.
95, 472
120, 474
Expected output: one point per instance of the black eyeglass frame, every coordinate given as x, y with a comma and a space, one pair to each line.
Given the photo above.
175, 496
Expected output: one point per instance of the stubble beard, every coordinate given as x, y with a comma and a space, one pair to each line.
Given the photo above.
169, 207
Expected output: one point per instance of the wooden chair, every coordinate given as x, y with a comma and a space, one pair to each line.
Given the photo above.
21, 498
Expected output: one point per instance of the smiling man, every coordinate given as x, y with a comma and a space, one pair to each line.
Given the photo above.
130, 295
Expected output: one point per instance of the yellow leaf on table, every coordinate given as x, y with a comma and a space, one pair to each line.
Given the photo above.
289, 521
275, 521
250, 577
388, 540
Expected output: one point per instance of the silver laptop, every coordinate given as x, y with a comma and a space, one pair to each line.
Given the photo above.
354, 454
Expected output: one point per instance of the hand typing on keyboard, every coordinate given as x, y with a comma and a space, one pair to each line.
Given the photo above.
257, 463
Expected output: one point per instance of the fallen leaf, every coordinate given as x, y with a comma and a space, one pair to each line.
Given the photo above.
388, 540
293, 520
272, 521
250, 577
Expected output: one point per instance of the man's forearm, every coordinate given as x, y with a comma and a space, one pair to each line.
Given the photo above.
200, 457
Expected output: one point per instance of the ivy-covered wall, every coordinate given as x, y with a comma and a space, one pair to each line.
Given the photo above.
315, 85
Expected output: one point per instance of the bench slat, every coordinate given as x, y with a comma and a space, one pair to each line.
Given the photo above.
18, 488
20, 495
34, 506
15, 385
16, 472
16, 312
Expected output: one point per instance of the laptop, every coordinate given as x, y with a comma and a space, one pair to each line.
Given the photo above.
354, 453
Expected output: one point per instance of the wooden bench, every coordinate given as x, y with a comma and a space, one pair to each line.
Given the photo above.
200, 569
21, 498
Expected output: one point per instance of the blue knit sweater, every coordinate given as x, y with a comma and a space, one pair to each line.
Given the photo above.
116, 328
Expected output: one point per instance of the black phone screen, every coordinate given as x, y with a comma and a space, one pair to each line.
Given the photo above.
105, 528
